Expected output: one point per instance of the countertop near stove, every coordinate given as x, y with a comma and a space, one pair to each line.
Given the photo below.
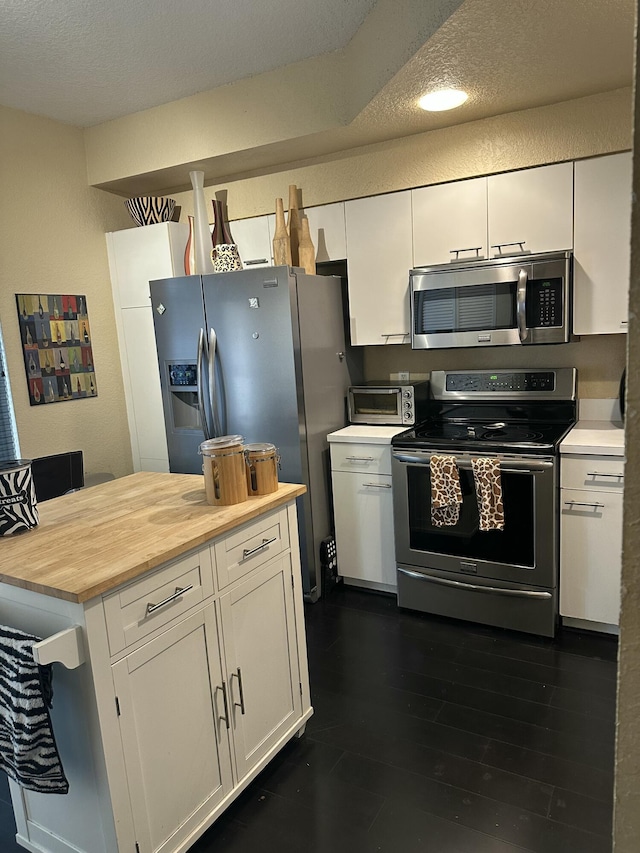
361, 434
598, 438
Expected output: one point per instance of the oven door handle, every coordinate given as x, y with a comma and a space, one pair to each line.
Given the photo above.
516, 593
521, 297
509, 466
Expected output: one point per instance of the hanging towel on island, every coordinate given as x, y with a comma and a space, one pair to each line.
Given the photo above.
486, 474
446, 494
28, 752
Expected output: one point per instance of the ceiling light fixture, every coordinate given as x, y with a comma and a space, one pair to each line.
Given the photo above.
444, 99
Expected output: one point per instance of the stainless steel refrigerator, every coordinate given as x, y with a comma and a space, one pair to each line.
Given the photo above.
260, 353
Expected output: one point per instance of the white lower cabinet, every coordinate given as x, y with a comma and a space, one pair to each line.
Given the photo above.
363, 506
591, 538
262, 675
174, 735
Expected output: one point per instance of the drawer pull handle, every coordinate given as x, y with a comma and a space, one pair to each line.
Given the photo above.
239, 704
255, 261
249, 553
226, 704
598, 474
578, 503
377, 485
360, 458
180, 590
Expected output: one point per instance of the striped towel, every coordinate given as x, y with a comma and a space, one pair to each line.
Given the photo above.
28, 752
446, 495
486, 474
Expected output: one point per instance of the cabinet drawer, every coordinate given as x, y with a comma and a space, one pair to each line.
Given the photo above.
149, 603
251, 546
363, 458
603, 473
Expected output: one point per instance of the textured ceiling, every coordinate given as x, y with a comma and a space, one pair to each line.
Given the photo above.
86, 61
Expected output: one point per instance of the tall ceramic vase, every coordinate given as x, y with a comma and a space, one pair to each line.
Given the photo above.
202, 234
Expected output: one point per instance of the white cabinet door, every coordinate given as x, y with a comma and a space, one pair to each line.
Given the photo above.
328, 231
363, 510
253, 240
140, 255
379, 257
174, 735
602, 245
261, 661
532, 207
147, 423
450, 222
590, 555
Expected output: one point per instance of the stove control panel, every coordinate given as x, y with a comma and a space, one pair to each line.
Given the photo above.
501, 382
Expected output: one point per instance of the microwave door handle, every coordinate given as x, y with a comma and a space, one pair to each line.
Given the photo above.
202, 345
521, 305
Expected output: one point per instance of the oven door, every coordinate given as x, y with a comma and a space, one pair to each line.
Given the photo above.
524, 552
375, 405
504, 577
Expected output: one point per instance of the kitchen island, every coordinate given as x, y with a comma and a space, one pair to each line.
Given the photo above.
181, 630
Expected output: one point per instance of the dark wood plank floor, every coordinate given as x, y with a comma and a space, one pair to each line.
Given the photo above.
436, 736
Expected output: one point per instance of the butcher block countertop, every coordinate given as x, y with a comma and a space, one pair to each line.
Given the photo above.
93, 540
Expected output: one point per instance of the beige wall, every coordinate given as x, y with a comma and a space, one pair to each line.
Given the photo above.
52, 227
627, 779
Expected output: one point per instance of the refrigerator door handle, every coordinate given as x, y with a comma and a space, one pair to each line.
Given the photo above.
213, 396
202, 345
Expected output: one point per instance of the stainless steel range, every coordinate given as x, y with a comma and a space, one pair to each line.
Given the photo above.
506, 577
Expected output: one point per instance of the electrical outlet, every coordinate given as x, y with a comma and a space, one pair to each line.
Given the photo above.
403, 376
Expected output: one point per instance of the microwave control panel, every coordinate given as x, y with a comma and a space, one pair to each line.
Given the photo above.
544, 302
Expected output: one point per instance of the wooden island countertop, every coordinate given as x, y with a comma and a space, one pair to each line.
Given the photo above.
91, 541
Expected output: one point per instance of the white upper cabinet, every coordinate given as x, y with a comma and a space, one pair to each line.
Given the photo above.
140, 255
253, 239
531, 210
450, 222
602, 235
328, 231
379, 257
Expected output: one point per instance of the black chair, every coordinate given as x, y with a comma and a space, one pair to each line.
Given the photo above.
57, 474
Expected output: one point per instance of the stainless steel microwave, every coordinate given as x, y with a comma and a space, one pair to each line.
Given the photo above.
523, 299
388, 403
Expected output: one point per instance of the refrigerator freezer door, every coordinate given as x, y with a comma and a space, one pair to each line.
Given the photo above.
178, 316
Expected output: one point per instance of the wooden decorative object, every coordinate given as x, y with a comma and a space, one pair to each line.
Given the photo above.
281, 244
306, 250
293, 224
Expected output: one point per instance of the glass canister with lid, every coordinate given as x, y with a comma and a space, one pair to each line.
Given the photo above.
223, 464
262, 468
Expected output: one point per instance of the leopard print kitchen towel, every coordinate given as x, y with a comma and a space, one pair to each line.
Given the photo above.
446, 495
486, 474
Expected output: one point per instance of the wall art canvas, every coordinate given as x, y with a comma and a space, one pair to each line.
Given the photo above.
56, 344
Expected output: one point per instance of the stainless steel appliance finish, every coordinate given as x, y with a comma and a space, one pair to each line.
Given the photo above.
260, 353
507, 578
387, 403
524, 299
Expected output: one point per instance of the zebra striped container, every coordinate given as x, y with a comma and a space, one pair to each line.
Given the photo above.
18, 507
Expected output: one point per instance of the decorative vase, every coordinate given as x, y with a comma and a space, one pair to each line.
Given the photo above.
281, 243
202, 234
221, 233
306, 250
294, 224
225, 257
189, 258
